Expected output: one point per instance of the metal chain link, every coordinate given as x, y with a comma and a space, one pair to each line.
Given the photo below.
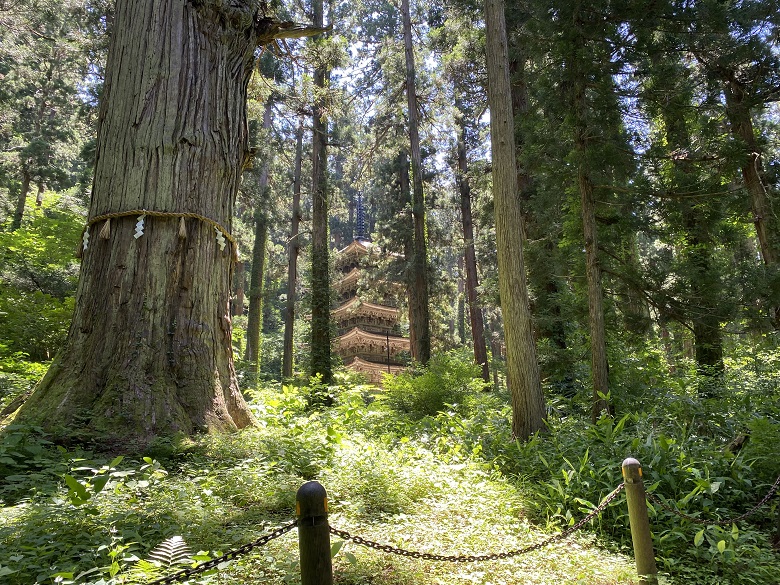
478, 558
185, 574
656, 500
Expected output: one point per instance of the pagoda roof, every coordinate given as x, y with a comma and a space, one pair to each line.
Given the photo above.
358, 247
357, 335
349, 279
374, 370
355, 306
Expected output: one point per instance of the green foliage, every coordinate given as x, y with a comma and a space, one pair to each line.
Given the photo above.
400, 480
34, 323
447, 379
38, 278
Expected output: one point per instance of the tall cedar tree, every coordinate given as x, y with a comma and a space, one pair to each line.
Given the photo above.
293, 248
417, 281
40, 136
320, 245
470, 256
731, 44
149, 349
257, 275
523, 380
582, 134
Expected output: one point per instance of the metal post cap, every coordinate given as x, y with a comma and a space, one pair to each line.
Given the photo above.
632, 470
311, 500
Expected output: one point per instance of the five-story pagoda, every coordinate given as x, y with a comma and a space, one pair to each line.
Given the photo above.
369, 336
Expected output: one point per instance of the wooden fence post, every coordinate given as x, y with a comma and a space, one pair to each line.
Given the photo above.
640, 523
311, 509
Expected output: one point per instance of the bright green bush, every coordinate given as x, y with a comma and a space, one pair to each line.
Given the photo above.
38, 273
447, 379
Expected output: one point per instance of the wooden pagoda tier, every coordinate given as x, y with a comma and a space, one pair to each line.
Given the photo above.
382, 349
368, 316
349, 258
347, 286
372, 370
369, 339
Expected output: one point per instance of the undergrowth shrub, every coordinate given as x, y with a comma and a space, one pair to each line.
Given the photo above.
370, 480
17, 378
568, 473
447, 379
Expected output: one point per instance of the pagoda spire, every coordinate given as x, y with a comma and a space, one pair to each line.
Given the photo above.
360, 227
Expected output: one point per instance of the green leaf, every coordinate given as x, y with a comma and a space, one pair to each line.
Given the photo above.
721, 545
77, 488
335, 548
699, 538
6, 571
116, 461
99, 483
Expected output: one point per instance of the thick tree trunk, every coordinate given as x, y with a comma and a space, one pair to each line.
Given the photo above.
320, 275
764, 219
149, 349
21, 201
254, 323
528, 410
470, 260
292, 261
419, 291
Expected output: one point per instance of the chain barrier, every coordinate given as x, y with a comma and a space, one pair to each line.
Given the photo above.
185, 574
656, 500
478, 558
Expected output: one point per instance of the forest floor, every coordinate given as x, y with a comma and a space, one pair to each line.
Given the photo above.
451, 484
219, 493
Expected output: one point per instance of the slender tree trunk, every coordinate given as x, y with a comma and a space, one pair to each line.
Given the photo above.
708, 338
254, 323
256, 275
470, 260
523, 381
320, 275
239, 279
598, 338
741, 123
292, 261
149, 349
21, 201
418, 292
597, 329
405, 191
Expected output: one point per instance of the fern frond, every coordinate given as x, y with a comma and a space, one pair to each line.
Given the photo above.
171, 551
145, 570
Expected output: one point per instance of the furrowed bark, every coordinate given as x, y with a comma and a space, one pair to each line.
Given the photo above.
149, 349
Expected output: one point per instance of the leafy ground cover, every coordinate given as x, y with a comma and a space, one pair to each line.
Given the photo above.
420, 474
